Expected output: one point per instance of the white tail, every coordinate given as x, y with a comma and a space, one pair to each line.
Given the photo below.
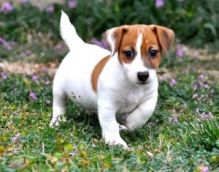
68, 32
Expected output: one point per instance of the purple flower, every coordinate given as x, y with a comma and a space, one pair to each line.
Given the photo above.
35, 77
6, 7
3, 75
201, 82
201, 77
33, 96
204, 115
5, 44
102, 44
28, 52
2, 40
50, 8
204, 169
180, 52
172, 82
159, 3
72, 4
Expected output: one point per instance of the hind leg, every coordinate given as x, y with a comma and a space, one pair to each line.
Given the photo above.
58, 107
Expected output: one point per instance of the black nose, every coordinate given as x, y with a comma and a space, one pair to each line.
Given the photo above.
143, 76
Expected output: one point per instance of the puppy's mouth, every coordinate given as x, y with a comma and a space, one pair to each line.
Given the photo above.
142, 82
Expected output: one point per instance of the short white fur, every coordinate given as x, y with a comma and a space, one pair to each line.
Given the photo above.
117, 94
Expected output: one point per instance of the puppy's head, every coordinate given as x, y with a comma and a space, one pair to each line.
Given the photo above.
139, 49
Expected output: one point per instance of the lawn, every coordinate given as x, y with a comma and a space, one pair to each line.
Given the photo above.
182, 135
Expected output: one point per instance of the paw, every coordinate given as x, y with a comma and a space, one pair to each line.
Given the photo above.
54, 122
114, 139
123, 127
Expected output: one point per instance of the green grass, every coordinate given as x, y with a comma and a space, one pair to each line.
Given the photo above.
175, 138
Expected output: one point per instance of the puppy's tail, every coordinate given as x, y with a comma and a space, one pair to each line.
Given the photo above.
68, 32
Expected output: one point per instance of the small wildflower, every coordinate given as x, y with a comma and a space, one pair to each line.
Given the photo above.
203, 116
72, 4
44, 69
201, 77
16, 138
50, 8
102, 44
180, 52
206, 116
159, 3
172, 82
203, 169
33, 96
35, 77
5, 44
3, 75
197, 85
2, 40
27, 52
200, 83
6, 7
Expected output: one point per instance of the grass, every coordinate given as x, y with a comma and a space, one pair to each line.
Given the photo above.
177, 138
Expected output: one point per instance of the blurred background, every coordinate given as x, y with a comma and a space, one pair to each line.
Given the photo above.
34, 24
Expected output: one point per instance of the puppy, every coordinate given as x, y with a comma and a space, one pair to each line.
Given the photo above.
121, 82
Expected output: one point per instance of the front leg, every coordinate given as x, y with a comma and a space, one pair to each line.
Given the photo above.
109, 125
141, 114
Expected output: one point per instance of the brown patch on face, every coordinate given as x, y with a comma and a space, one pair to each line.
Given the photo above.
156, 41
96, 72
128, 43
164, 36
149, 42
150, 49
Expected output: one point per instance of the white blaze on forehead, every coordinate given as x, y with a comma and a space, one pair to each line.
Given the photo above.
137, 65
138, 62
138, 44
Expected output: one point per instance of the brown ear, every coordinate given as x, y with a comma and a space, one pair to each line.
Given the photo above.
114, 37
165, 37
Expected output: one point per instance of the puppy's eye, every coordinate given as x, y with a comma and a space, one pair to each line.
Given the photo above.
129, 54
153, 53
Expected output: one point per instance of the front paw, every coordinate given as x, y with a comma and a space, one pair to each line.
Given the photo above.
54, 122
114, 139
122, 127
122, 121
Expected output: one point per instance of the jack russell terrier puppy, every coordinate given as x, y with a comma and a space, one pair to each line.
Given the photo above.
121, 82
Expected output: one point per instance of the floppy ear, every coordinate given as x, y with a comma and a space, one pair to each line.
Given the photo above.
165, 37
114, 36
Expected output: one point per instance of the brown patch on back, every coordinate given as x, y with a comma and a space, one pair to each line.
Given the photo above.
96, 72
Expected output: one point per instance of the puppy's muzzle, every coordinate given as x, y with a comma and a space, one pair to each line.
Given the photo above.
143, 76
